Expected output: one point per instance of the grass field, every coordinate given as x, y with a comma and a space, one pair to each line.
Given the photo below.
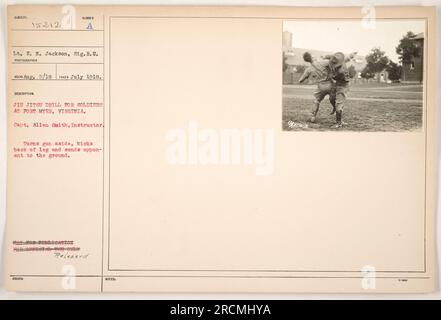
369, 107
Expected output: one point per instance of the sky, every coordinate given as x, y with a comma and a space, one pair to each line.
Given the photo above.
349, 36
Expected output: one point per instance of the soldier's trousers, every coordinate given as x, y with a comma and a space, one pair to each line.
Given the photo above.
323, 89
338, 96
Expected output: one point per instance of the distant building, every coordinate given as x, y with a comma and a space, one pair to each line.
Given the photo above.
413, 71
288, 55
288, 51
286, 41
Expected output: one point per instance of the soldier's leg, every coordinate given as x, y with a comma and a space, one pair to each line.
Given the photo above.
340, 100
332, 100
319, 95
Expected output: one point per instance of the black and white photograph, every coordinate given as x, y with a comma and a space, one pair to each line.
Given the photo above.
239, 154
353, 75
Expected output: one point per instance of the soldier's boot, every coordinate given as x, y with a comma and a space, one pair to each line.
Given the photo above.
314, 112
334, 109
338, 117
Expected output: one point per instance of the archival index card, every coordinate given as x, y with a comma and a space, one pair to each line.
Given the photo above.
221, 149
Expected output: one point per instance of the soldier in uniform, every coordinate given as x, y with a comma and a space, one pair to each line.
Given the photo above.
340, 77
327, 73
319, 72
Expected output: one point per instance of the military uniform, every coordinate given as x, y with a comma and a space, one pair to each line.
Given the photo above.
319, 72
341, 78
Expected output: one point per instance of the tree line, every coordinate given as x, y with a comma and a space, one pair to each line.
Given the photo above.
377, 61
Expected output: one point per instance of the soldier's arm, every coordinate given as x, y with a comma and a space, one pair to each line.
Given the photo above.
305, 75
350, 56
